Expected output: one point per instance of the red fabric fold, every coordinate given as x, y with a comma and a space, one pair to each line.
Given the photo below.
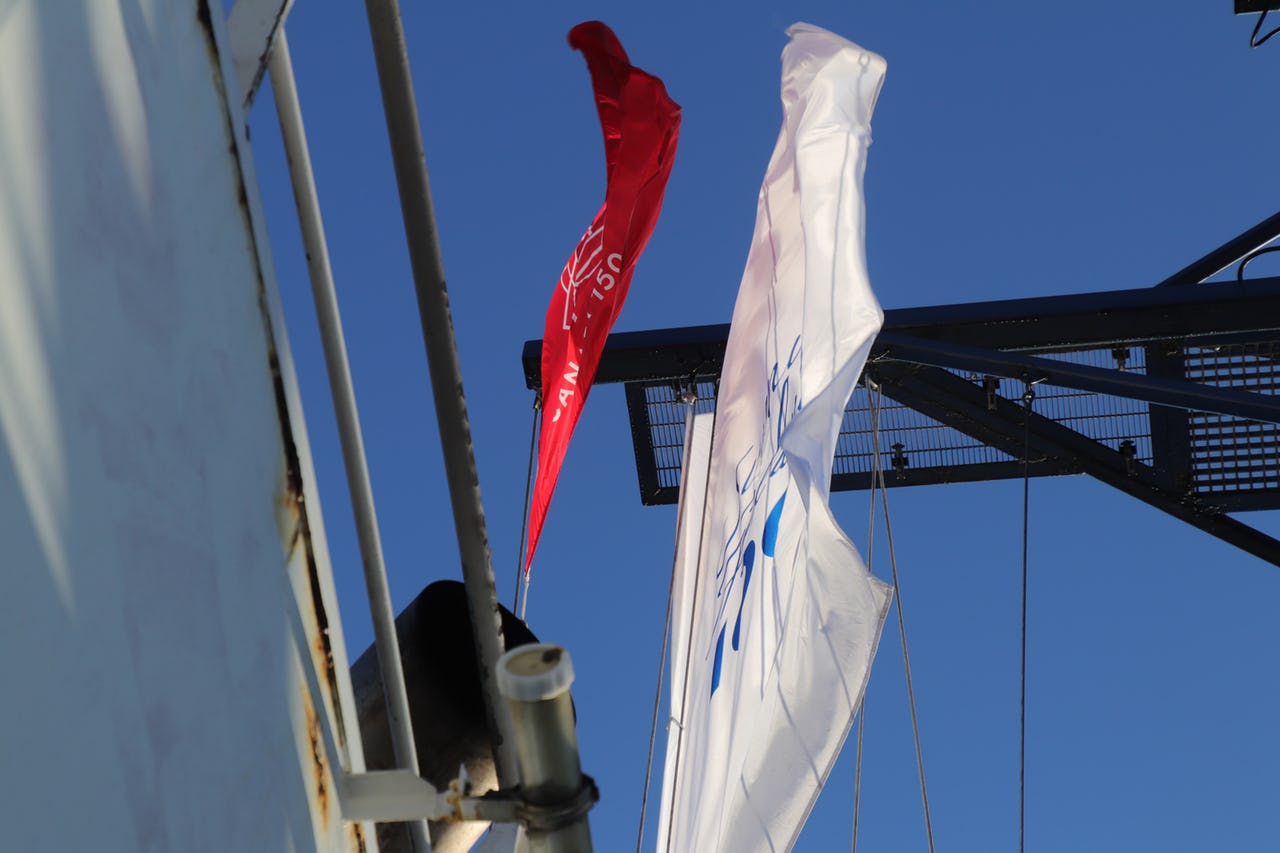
641, 125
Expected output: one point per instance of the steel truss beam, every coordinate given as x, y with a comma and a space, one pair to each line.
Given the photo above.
1209, 312
1177, 328
1227, 254
1003, 424
1162, 322
1118, 383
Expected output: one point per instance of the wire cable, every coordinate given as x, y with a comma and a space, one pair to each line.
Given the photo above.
528, 484
1254, 41
857, 770
1027, 397
906, 658
874, 394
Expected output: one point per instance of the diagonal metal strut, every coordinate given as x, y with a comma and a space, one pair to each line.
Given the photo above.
1000, 423
1180, 393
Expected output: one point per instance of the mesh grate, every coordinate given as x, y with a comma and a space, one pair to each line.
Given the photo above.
924, 443
666, 427
906, 436
1228, 453
1226, 457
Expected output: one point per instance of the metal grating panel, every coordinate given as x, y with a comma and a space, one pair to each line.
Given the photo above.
1231, 454
666, 427
1147, 366
1227, 455
921, 441
914, 444
1107, 420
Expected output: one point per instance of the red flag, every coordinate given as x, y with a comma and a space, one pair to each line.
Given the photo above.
641, 124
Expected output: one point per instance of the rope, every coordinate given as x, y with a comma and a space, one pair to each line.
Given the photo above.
1027, 397
857, 771
690, 398
906, 658
524, 518
874, 392
1254, 41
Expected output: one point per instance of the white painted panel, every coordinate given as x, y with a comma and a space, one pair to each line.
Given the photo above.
164, 595
251, 28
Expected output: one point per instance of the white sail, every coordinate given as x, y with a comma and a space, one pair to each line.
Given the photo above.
782, 618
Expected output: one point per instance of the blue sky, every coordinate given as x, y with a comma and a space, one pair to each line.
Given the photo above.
1019, 150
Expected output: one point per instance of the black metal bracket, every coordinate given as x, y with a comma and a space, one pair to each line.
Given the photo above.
545, 817
1246, 7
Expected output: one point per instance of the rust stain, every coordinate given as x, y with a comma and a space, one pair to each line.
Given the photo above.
293, 523
356, 833
288, 509
316, 625
319, 767
295, 531
320, 650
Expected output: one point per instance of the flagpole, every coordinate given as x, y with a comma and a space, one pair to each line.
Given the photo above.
391, 57
670, 804
690, 398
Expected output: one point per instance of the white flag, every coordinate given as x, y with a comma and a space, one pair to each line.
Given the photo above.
783, 616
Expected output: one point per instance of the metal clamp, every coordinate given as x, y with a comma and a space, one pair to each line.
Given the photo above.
509, 805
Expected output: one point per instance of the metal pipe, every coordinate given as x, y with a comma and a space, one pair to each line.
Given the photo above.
344, 404
410, 164
535, 681
1227, 254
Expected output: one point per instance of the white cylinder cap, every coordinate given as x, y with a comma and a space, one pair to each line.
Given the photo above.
535, 673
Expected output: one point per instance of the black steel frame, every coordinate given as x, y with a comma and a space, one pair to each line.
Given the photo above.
922, 356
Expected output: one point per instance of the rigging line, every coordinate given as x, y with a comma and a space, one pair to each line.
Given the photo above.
524, 599
690, 400
693, 607
906, 660
528, 483
1254, 41
1027, 397
1244, 262
875, 395
857, 769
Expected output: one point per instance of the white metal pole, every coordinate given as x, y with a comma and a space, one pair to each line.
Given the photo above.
400, 106
535, 680
344, 404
